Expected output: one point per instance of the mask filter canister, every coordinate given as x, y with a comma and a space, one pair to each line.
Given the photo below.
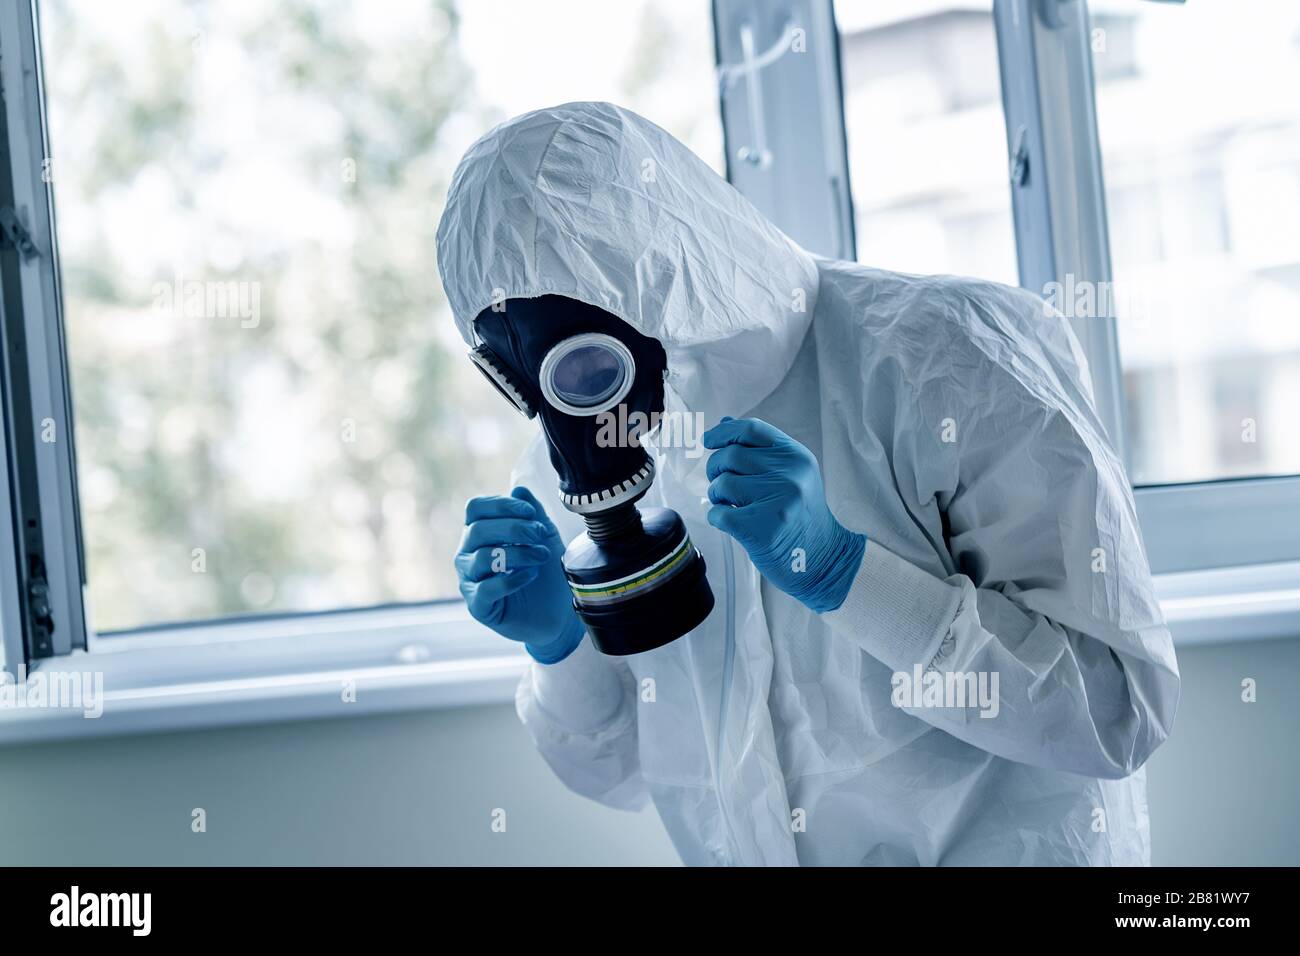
637, 580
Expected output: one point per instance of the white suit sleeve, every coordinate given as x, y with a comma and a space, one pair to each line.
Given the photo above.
1052, 602
581, 715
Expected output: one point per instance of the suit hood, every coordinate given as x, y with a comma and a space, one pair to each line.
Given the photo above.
593, 202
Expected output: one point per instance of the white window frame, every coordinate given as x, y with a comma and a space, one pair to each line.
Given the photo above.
783, 117
351, 662
41, 498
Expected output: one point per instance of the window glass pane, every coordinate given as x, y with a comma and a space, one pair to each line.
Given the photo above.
273, 409
927, 141
1199, 115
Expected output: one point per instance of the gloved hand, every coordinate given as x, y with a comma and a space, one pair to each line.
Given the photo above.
511, 576
767, 493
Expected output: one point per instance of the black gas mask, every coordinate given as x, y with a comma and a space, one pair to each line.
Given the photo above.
637, 580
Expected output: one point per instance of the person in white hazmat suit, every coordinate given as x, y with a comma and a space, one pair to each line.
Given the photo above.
953, 427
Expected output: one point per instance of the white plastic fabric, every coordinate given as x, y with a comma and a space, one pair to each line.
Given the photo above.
954, 427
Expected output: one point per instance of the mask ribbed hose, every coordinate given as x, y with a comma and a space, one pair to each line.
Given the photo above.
605, 525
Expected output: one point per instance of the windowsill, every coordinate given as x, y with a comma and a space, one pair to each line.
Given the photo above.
1249, 603
338, 665
405, 659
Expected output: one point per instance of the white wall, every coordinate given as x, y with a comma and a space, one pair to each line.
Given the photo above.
421, 788
408, 789
1225, 787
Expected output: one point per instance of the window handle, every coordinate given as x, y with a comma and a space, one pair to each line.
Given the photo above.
749, 68
1020, 158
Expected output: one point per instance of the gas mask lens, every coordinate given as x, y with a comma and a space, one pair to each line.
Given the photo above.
587, 374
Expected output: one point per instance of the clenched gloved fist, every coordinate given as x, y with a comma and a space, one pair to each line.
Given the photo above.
512, 578
767, 493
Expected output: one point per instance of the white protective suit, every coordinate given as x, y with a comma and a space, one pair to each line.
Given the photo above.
955, 428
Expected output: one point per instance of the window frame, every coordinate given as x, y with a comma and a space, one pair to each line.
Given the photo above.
761, 69
45, 594
1054, 168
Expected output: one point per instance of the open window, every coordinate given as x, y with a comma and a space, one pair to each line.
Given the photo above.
275, 426
274, 413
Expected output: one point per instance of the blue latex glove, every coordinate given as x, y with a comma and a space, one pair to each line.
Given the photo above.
767, 493
512, 578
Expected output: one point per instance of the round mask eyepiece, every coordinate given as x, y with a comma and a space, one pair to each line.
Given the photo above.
587, 374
